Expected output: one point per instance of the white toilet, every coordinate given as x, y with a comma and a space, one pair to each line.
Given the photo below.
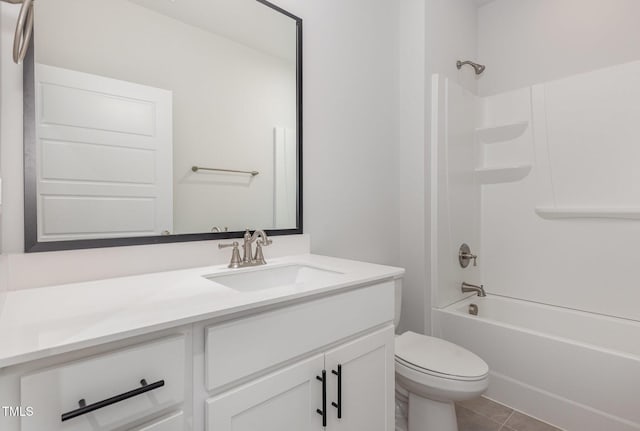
431, 375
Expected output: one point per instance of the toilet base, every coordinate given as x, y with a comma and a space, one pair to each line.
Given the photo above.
430, 415
402, 421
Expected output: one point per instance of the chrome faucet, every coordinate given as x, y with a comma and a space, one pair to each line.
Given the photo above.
467, 288
248, 257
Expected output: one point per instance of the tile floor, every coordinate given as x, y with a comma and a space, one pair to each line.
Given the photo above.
483, 414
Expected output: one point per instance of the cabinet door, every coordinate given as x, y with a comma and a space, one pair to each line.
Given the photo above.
365, 396
175, 422
287, 400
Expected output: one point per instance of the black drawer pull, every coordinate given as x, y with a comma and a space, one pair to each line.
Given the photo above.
338, 405
323, 412
84, 408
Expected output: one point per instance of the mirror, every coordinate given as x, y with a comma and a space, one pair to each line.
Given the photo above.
150, 121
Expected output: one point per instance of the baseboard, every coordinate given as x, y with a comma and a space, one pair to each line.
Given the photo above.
553, 409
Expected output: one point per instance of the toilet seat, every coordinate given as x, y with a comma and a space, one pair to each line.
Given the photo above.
436, 387
437, 369
401, 364
439, 358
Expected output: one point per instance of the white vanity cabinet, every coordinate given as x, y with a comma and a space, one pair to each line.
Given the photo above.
306, 395
352, 379
321, 361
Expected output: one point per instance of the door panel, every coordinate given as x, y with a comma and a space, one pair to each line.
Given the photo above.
104, 157
284, 401
367, 390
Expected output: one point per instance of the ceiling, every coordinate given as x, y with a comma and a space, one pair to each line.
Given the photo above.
245, 21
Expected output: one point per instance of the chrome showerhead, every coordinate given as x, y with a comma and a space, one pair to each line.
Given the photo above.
479, 68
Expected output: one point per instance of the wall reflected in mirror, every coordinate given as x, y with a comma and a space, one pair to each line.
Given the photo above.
131, 95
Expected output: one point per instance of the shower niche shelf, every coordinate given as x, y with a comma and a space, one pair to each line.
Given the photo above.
502, 133
555, 213
502, 174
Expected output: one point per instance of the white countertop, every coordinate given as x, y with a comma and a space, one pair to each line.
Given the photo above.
36, 323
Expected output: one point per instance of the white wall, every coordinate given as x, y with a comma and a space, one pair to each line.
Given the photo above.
583, 160
227, 99
582, 125
457, 207
10, 97
433, 35
350, 136
526, 42
451, 27
411, 164
12, 222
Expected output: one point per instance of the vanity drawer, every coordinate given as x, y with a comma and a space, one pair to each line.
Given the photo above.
247, 346
56, 391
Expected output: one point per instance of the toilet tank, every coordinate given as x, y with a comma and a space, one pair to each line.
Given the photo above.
398, 301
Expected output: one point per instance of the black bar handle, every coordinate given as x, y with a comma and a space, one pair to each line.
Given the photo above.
338, 405
323, 412
84, 408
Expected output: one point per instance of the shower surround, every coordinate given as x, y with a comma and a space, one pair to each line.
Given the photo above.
541, 183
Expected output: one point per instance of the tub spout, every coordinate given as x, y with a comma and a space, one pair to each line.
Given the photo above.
466, 288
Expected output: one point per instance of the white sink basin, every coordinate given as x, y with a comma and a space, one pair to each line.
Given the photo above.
267, 278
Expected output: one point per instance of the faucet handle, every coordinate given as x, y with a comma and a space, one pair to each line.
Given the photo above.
468, 256
235, 254
465, 255
231, 244
259, 257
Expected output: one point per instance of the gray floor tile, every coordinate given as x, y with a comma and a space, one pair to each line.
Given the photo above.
470, 421
521, 422
490, 409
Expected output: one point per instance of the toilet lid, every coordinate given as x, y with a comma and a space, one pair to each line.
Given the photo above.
439, 356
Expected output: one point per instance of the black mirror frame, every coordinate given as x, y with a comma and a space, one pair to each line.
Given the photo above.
31, 243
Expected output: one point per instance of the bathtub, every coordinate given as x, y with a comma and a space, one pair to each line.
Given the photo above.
578, 371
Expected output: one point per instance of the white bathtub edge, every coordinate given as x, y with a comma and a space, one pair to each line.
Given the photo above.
550, 408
